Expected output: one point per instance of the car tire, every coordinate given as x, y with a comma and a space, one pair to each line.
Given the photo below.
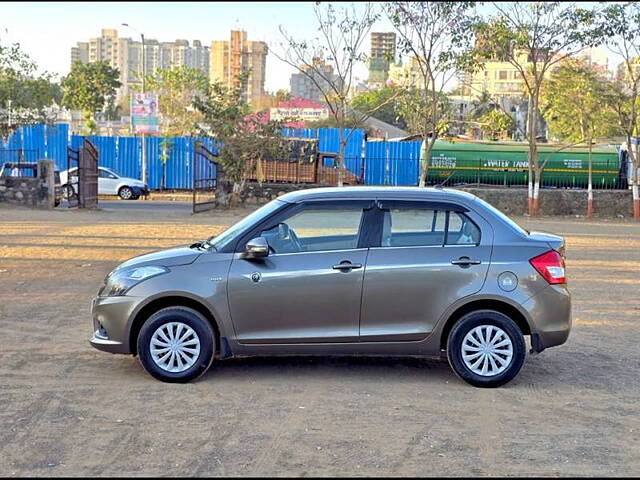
181, 321
68, 192
125, 193
483, 363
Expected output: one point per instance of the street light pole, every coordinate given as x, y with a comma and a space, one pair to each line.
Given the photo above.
142, 75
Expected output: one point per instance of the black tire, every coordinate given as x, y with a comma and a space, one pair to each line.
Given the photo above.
193, 319
68, 192
475, 319
125, 193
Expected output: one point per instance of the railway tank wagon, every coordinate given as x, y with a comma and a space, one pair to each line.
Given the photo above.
506, 164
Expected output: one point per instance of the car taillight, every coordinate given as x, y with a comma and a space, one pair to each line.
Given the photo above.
551, 266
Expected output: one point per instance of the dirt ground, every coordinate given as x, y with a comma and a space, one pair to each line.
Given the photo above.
67, 409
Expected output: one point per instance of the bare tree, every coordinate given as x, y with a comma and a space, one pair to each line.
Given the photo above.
343, 33
620, 29
438, 37
533, 37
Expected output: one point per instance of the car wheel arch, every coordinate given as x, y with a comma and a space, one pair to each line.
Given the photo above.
498, 305
157, 304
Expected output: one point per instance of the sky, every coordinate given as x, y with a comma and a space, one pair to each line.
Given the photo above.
48, 30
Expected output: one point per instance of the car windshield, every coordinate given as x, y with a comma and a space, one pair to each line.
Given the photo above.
220, 241
504, 218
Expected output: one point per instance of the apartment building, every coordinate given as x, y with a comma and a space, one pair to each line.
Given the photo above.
228, 58
310, 84
126, 55
382, 55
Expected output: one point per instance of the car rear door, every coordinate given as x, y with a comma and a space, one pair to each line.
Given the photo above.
429, 256
308, 289
107, 182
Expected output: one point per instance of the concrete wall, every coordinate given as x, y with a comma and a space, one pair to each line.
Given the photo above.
38, 192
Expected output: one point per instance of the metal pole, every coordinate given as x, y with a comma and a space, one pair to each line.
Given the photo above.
144, 143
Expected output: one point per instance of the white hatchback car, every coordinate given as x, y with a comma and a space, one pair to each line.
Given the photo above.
109, 183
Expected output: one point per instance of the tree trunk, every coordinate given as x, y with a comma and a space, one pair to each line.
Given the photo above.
341, 164
634, 183
533, 156
425, 155
590, 187
536, 192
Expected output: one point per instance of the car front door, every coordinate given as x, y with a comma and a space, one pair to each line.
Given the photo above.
429, 256
308, 289
107, 182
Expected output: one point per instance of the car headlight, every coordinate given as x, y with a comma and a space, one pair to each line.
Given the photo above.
119, 282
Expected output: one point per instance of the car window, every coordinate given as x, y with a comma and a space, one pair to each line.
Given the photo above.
408, 227
316, 229
462, 231
105, 173
405, 227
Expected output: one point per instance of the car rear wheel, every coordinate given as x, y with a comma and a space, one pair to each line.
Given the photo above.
68, 192
176, 345
486, 348
125, 193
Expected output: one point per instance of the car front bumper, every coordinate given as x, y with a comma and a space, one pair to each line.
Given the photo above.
112, 323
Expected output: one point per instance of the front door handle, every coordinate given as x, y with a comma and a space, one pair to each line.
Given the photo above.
465, 262
347, 266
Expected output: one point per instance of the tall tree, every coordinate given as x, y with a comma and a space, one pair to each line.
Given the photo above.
26, 97
533, 37
177, 88
343, 33
368, 101
574, 105
90, 88
619, 27
438, 36
243, 138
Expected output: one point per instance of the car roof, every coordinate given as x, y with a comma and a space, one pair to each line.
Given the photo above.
367, 193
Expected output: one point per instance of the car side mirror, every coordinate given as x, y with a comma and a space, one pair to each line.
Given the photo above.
256, 248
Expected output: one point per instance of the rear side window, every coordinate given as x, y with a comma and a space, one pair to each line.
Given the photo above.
408, 227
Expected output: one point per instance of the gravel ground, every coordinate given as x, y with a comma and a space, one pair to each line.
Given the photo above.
67, 409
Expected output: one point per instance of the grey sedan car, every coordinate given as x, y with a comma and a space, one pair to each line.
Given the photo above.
345, 271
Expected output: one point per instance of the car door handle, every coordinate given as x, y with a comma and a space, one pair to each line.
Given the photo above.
465, 261
347, 266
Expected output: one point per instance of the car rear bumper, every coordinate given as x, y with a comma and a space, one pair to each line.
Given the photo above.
550, 314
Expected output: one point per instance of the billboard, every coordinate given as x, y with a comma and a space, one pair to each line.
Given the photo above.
144, 113
306, 114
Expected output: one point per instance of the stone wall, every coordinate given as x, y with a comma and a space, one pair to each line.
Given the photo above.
32, 192
512, 201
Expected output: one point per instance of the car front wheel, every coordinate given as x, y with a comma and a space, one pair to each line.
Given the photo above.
125, 193
486, 348
176, 345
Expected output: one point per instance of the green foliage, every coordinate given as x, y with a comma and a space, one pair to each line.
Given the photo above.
244, 137
25, 95
426, 115
495, 123
90, 88
386, 96
177, 89
574, 104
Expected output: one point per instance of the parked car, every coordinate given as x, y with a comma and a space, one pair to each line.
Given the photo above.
109, 183
345, 271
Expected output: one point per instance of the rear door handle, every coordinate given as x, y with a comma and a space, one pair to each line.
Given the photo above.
347, 266
465, 262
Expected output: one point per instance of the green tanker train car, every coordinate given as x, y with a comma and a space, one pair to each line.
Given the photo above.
506, 164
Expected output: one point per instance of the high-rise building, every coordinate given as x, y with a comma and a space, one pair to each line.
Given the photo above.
228, 58
310, 84
126, 55
383, 53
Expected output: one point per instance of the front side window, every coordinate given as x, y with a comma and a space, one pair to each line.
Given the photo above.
316, 229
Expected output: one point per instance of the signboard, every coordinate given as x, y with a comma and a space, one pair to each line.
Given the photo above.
306, 114
144, 113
